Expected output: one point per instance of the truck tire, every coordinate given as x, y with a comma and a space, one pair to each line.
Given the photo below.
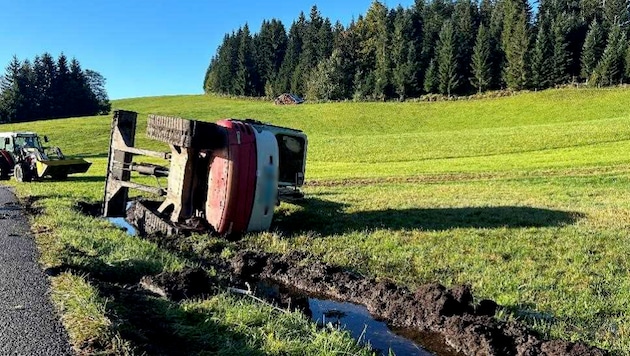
22, 173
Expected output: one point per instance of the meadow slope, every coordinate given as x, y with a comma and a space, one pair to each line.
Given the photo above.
526, 198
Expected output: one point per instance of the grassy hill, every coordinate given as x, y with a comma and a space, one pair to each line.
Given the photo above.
526, 198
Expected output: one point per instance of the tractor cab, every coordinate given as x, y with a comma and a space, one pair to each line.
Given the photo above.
28, 141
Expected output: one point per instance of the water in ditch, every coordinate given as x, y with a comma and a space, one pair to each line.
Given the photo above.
354, 318
125, 225
357, 320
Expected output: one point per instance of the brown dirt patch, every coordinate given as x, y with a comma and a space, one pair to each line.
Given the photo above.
469, 329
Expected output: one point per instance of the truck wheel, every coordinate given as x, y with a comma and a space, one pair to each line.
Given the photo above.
22, 173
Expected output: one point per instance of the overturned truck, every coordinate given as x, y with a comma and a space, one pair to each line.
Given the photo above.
225, 177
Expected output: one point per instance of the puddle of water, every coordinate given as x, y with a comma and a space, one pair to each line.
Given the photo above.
358, 321
125, 225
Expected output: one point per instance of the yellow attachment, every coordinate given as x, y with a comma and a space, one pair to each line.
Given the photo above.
61, 167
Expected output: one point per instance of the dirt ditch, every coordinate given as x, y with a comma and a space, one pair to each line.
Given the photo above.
446, 321
467, 328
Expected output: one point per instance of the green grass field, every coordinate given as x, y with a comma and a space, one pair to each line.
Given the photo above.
526, 198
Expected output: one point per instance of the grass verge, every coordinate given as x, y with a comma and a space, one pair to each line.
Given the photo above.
526, 198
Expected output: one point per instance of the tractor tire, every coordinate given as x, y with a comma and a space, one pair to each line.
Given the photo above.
4, 172
22, 173
4, 169
6, 162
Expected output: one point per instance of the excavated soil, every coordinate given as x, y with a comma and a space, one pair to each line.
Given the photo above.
467, 328
176, 286
449, 315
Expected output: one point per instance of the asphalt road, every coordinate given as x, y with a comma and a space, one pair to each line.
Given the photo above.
28, 322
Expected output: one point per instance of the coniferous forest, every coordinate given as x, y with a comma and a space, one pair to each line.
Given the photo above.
456, 47
49, 88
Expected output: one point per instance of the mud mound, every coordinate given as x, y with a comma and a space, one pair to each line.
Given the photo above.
189, 283
469, 329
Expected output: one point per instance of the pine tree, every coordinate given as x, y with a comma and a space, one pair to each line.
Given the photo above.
28, 94
616, 12
403, 55
295, 56
291, 59
271, 45
542, 56
431, 78
515, 43
10, 74
312, 47
45, 89
10, 96
221, 73
591, 10
561, 55
348, 48
317, 43
465, 18
592, 50
610, 69
434, 16
416, 46
45, 75
480, 65
326, 38
60, 88
485, 12
447, 66
244, 70
495, 29
375, 49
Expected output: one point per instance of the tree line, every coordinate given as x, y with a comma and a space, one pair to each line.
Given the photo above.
440, 46
49, 88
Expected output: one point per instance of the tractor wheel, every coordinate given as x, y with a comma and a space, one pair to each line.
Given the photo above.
6, 162
4, 169
22, 173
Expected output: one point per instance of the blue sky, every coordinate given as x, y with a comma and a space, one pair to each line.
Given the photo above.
146, 47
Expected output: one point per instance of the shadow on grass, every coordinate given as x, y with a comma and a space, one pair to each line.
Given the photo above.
160, 327
86, 179
152, 325
328, 218
91, 155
